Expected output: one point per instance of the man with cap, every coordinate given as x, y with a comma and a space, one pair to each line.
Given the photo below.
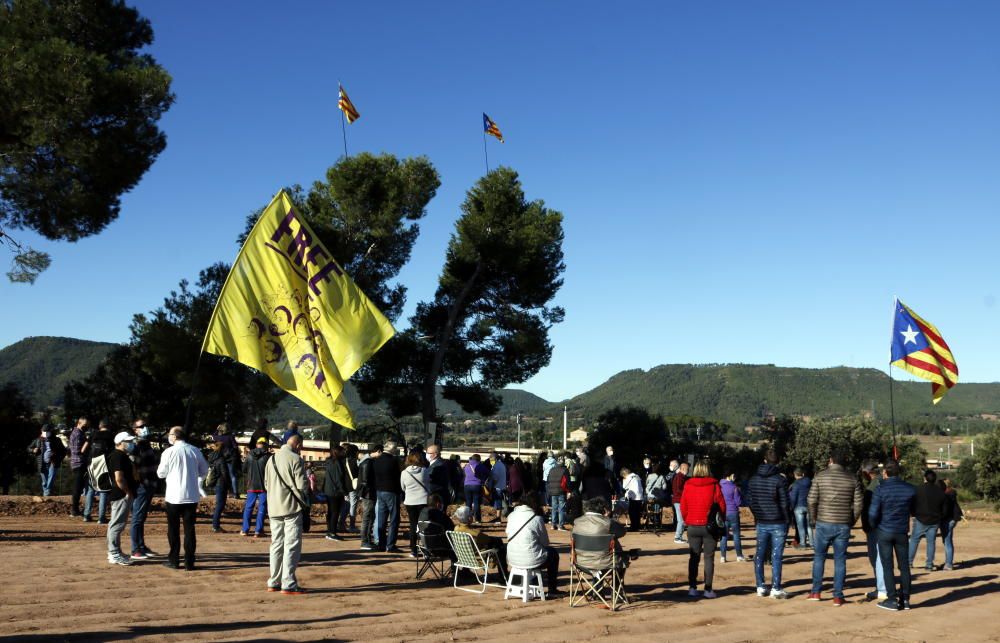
181, 465
253, 473
122, 494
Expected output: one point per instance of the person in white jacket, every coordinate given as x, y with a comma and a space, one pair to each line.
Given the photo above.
633, 492
181, 465
414, 481
528, 542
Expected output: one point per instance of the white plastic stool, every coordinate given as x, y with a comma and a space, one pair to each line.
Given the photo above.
525, 589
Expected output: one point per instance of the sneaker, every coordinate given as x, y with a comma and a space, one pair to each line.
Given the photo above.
170, 565
393, 550
149, 552
761, 591
948, 568
216, 530
723, 559
709, 594
138, 555
88, 519
693, 592
679, 541
333, 537
813, 596
366, 547
259, 535
837, 601
889, 605
906, 603
295, 591
414, 554
273, 589
120, 559
741, 559
243, 533
779, 593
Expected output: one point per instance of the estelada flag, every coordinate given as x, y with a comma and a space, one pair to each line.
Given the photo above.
491, 128
289, 310
918, 348
345, 105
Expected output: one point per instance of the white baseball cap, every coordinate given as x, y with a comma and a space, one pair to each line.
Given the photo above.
124, 436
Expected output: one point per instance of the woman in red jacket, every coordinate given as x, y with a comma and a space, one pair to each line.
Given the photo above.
700, 491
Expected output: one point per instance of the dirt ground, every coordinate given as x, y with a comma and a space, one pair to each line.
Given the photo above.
57, 585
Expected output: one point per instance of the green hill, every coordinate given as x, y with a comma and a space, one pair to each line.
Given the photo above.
738, 394
741, 394
41, 366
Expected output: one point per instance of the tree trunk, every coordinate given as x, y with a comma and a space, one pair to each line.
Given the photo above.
429, 393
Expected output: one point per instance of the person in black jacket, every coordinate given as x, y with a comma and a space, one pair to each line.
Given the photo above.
99, 443
952, 516
438, 480
218, 467
253, 474
349, 510
335, 487
387, 491
367, 494
770, 506
928, 512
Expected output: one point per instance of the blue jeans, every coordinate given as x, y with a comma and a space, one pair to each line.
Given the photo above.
876, 561
221, 493
231, 469
473, 498
773, 537
680, 521
732, 525
803, 532
558, 504
889, 545
826, 534
386, 517
88, 503
140, 507
47, 476
920, 530
260, 499
948, 534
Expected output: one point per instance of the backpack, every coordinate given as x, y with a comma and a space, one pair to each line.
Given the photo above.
100, 477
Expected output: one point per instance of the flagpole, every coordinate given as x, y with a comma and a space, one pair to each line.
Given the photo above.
892, 407
485, 153
343, 129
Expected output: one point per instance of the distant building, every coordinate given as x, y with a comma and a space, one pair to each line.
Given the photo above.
579, 435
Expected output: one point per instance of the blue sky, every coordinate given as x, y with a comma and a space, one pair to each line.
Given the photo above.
741, 182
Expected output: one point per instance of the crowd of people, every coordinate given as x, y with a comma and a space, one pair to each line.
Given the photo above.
556, 490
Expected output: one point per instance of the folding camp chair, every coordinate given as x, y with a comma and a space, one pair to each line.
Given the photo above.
433, 552
653, 515
587, 583
470, 557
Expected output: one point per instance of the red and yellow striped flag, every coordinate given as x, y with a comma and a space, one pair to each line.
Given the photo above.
345, 105
918, 348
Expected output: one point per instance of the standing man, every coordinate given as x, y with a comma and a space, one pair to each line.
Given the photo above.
146, 461
287, 497
78, 463
798, 495
835, 502
892, 505
49, 452
498, 480
292, 429
676, 489
928, 513
181, 465
870, 479
122, 494
367, 494
769, 503
387, 491
99, 443
438, 480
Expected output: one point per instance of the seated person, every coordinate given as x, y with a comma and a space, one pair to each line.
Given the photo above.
596, 521
434, 514
528, 542
464, 517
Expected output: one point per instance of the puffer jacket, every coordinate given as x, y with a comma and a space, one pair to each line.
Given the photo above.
697, 498
768, 496
893, 503
335, 481
835, 497
731, 493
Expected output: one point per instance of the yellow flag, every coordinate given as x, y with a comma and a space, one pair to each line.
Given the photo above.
288, 310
